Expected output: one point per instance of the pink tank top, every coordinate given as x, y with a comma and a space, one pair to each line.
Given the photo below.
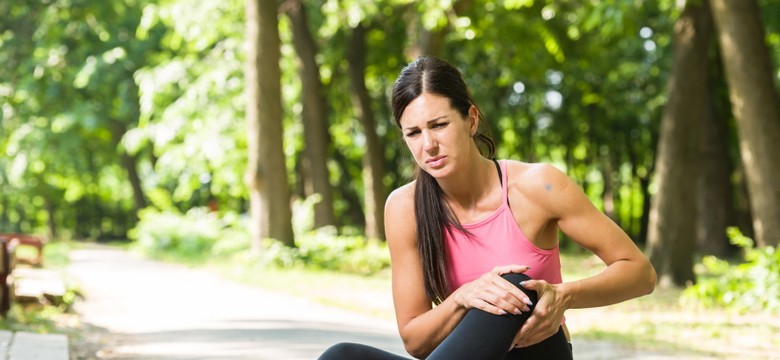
496, 240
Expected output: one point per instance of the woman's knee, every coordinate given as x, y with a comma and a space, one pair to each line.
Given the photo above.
347, 350
339, 351
516, 279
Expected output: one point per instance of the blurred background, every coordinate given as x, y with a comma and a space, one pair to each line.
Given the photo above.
261, 133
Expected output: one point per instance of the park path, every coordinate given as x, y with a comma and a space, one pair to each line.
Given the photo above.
136, 308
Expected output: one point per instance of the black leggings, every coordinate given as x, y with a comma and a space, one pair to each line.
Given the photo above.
480, 335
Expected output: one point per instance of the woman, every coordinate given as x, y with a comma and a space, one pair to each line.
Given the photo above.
479, 238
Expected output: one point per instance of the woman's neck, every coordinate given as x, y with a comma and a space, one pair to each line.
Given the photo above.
470, 184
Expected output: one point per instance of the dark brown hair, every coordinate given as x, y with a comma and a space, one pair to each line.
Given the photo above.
435, 76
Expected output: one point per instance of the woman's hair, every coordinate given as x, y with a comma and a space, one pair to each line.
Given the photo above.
435, 76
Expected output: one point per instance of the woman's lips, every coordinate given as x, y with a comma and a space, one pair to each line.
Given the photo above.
436, 162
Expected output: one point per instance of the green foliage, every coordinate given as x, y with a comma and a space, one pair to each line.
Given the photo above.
190, 237
199, 236
86, 84
323, 249
750, 286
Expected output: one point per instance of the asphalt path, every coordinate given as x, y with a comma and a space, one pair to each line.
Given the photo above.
137, 308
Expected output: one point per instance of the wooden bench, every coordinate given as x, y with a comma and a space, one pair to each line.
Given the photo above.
34, 241
7, 263
30, 346
9, 244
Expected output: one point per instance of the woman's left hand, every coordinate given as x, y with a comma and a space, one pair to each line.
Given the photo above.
546, 317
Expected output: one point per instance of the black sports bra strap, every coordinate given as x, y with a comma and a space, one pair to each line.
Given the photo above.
500, 180
498, 168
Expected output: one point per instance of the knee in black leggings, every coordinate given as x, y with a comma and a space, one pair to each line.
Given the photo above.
346, 350
341, 351
516, 279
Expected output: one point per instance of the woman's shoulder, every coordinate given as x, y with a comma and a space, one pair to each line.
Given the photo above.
401, 200
533, 175
540, 183
400, 222
404, 193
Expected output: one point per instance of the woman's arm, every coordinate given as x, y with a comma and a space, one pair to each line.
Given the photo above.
629, 274
423, 327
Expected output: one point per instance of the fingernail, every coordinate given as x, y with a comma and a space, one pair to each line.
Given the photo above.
522, 283
502, 312
518, 312
527, 301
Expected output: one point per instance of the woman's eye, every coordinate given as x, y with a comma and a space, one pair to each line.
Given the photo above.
439, 125
412, 133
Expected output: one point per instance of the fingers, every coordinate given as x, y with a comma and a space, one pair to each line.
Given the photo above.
507, 297
503, 294
535, 285
494, 294
514, 294
535, 330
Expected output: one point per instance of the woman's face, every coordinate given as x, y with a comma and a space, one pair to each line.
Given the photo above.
436, 134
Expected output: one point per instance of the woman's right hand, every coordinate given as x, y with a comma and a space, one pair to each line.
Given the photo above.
493, 294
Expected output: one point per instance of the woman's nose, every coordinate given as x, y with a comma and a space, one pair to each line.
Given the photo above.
429, 142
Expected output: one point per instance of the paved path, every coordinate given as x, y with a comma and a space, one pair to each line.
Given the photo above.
149, 310
31, 346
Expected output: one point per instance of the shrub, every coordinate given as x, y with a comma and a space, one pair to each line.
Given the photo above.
324, 249
200, 234
750, 286
193, 235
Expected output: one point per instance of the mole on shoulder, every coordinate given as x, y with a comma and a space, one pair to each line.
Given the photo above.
548, 187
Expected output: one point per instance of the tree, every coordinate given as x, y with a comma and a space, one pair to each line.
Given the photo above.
316, 179
373, 170
428, 26
756, 107
715, 206
673, 209
266, 175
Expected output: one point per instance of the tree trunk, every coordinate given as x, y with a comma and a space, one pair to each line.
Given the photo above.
715, 208
426, 42
51, 218
429, 42
673, 210
266, 175
608, 193
315, 127
131, 165
373, 171
118, 129
756, 107
353, 211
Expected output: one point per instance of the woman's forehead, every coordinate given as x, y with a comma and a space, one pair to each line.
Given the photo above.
425, 108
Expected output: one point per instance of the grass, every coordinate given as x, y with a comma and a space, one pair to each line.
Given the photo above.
664, 322
660, 322
368, 295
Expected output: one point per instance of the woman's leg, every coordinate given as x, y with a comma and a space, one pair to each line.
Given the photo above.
555, 347
352, 351
481, 335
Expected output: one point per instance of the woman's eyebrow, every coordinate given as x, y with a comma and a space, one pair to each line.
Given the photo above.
428, 122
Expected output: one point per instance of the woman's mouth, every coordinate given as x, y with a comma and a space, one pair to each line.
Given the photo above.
436, 162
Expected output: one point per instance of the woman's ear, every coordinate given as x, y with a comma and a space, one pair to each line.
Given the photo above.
473, 120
